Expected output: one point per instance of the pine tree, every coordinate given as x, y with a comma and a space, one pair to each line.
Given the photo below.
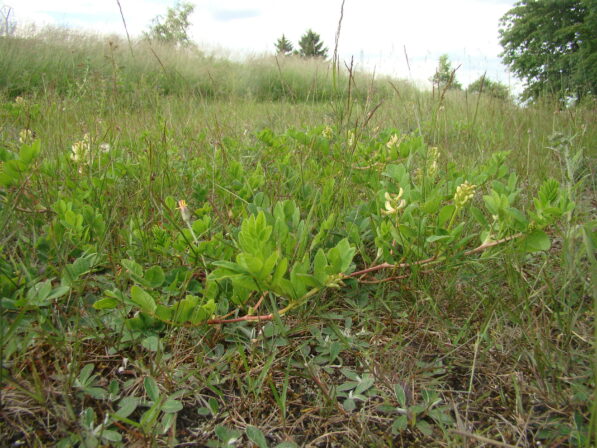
283, 46
311, 46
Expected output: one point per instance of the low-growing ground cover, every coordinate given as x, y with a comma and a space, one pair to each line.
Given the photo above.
409, 270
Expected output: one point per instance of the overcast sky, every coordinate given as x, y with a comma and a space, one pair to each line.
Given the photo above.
375, 32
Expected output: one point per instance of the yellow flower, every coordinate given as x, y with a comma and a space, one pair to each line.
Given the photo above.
350, 138
393, 142
464, 193
393, 203
25, 136
80, 150
327, 132
432, 158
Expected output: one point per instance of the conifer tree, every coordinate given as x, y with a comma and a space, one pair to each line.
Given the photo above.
311, 46
283, 46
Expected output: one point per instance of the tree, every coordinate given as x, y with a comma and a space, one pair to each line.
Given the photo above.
283, 46
489, 87
174, 28
7, 24
552, 46
445, 75
311, 46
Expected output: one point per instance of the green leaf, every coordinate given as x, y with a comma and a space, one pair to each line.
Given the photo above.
445, 215
39, 292
85, 374
548, 192
340, 257
143, 299
256, 436
111, 436
151, 343
425, 428
478, 215
151, 388
127, 406
227, 435
96, 392
281, 269
365, 384
536, 241
150, 416
81, 266
400, 395
399, 425
132, 267
58, 292
164, 313
250, 263
320, 264
518, 216
170, 203
107, 303
171, 406
29, 152
349, 405
184, 308
154, 277
434, 238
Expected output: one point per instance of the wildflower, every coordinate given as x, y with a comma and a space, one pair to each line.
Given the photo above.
394, 203
184, 211
393, 142
25, 136
464, 193
81, 149
432, 158
327, 132
105, 147
19, 100
350, 138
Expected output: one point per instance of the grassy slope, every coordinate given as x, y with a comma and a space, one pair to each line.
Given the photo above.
505, 341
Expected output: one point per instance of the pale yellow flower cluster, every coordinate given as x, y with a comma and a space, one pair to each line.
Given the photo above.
327, 132
464, 193
25, 136
394, 203
81, 149
350, 138
19, 100
393, 141
432, 159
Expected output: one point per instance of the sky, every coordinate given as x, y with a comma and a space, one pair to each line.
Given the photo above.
379, 35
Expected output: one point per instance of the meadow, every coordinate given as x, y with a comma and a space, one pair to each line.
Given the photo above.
286, 252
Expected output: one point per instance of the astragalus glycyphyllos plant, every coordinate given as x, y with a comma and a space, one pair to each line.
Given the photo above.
430, 217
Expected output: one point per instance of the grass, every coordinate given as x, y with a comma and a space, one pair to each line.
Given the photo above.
492, 348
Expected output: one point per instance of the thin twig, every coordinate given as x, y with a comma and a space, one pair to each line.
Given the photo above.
481, 438
480, 248
125, 28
